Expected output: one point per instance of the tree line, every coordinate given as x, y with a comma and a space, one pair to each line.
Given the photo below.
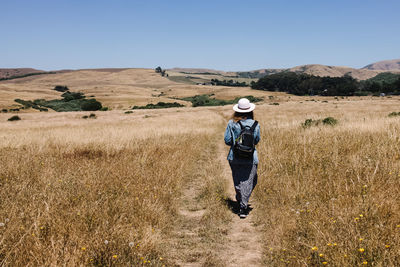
306, 84
228, 83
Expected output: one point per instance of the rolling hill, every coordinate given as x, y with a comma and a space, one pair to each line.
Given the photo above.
8, 73
386, 65
365, 73
115, 88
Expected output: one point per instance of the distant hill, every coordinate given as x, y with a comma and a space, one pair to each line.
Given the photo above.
387, 65
313, 69
317, 70
197, 71
8, 73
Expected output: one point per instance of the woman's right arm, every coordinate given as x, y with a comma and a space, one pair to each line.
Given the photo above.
228, 135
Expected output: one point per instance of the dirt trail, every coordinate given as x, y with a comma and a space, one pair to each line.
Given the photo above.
186, 242
244, 239
239, 240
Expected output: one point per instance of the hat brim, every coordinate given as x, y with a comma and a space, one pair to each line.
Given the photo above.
237, 109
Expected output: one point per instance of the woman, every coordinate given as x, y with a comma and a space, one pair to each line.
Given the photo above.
244, 168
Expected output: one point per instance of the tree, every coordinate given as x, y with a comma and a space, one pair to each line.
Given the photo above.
158, 69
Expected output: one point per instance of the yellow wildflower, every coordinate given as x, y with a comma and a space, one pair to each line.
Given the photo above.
361, 250
365, 262
83, 248
115, 256
325, 263
314, 248
361, 215
334, 244
387, 246
321, 255
329, 244
361, 239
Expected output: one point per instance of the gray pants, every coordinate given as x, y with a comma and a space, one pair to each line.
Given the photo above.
244, 179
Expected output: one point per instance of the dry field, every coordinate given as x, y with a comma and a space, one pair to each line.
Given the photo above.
115, 88
148, 188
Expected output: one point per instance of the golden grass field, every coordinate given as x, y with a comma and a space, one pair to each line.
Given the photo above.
115, 88
122, 189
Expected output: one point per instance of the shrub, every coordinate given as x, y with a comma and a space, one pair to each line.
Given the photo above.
326, 121
72, 101
329, 121
61, 88
205, 100
92, 116
307, 123
128, 112
90, 105
68, 96
159, 105
85, 117
251, 98
275, 104
394, 114
104, 109
4, 110
14, 118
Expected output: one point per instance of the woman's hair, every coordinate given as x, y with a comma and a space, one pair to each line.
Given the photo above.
237, 116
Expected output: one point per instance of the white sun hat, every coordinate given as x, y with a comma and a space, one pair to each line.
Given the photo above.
244, 106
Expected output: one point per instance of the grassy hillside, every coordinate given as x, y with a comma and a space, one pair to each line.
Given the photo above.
114, 88
101, 192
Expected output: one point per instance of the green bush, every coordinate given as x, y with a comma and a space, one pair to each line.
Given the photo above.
159, 105
394, 114
61, 88
90, 105
326, 121
330, 121
14, 118
205, 100
68, 96
71, 101
128, 112
251, 98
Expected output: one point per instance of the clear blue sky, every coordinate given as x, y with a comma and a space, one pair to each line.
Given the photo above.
219, 34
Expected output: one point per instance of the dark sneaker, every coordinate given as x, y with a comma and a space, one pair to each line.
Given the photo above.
242, 213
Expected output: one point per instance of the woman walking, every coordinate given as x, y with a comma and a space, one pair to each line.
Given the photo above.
242, 134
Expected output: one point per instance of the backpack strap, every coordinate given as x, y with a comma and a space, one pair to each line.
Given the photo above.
253, 127
241, 125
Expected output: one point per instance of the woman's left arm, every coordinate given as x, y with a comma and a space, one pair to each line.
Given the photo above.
257, 134
228, 135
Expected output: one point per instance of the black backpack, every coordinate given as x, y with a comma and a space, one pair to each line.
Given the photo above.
244, 145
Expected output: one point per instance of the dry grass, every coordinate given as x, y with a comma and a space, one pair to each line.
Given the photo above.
117, 89
329, 195
109, 191
96, 192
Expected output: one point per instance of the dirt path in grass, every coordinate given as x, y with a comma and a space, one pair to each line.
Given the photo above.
244, 238
187, 250
194, 242
198, 235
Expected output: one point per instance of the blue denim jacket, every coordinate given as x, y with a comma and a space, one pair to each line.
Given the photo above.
233, 131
